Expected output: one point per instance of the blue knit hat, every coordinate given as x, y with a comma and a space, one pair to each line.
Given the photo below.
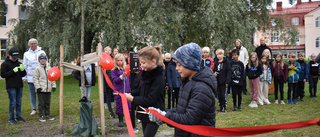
189, 56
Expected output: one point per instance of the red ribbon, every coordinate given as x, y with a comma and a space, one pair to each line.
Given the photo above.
206, 130
124, 105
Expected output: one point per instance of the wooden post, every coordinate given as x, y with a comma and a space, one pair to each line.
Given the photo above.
82, 48
61, 89
100, 83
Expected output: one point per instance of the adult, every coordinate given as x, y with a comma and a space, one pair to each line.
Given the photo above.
261, 48
13, 71
30, 60
243, 57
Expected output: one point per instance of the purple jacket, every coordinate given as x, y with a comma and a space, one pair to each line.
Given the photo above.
119, 86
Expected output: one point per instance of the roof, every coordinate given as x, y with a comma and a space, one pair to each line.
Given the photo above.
304, 7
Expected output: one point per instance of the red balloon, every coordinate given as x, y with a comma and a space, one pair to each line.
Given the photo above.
53, 74
106, 61
127, 70
129, 60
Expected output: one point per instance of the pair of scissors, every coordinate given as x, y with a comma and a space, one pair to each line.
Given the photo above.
145, 110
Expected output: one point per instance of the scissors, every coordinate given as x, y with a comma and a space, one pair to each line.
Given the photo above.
145, 110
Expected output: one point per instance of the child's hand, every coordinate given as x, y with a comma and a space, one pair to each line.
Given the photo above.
39, 90
22, 67
216, 73
291, 67
16, 69
53, 89
124, 74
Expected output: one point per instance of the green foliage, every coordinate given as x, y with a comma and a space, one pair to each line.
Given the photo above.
139, 23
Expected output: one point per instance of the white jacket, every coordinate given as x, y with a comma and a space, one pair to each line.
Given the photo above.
243, 57
30, 60
40, 79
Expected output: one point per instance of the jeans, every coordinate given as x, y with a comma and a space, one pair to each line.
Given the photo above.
33, 97
15, 95
87, 91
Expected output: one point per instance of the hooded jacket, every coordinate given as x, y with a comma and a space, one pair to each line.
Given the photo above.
224, 76
40, 79
30, 60
13, 80
304, 70
207, 62
173, 77
151, 91
293, 75
196, 103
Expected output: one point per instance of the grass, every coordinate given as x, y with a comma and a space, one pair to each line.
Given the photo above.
263, 115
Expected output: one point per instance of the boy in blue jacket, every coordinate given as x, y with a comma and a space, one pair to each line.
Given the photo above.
293, 77
303, 77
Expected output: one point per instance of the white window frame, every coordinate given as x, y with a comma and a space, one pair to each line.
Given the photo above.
273, 22
3, 49
295, 21
317, 22
317, 42
274, 37
5, 15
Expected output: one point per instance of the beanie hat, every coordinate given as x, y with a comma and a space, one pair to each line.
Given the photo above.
42, 56
189, 56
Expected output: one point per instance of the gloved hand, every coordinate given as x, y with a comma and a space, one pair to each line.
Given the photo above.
294, 68
15, 70
22, 67
290, 67
153, 118
53, 89
39, 90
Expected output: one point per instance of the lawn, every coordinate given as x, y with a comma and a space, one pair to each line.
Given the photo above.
263, 115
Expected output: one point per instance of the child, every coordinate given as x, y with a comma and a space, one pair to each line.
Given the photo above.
253, 71
206, 60
293, 77
229, 58
13, 71
279, 72
267, 53
303, 77
108, 92
121, 83
265, 80
313, 76
222, 71
151, 91
43, 87
173, 79
196, 105
237, 80
89, 76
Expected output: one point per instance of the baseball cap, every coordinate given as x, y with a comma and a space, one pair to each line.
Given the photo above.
14, 53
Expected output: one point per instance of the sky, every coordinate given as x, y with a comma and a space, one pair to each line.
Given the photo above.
285, 3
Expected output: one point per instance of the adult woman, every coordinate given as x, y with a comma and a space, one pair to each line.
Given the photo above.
30, 60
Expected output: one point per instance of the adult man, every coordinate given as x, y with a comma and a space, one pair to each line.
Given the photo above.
30, 60
262, 47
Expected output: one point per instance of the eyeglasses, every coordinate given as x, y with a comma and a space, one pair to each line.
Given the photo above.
33, 43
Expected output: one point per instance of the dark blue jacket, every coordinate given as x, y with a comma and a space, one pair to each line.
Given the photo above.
196, 103
224, 76
304, 71
173, 77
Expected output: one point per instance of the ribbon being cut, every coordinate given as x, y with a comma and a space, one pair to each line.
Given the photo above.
211, 131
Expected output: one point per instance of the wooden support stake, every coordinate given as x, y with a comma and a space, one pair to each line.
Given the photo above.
100, 81
90, 61
61, 89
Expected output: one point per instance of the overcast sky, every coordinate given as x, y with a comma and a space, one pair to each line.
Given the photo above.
285, 3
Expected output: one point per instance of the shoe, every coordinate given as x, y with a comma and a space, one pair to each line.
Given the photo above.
239, 108
234, 108
250, 105
220, 109
302, 99
20, 119
311, 96
267, 102
260, 103
120, 116
135, 130
282, 102
33, 112
223, 110
289, 101
112, 116
276, 102
254, 104
294, 101
49, 118
42, 119
12, 120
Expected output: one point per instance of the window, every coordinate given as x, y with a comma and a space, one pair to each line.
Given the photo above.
273, 22
295, 21
274, 37
298, 37
3, 46
318, 42
318, 22
3, 16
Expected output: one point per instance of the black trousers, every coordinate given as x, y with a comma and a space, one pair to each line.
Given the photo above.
222, 95
313, 81
44, 99
236, 91
300, 89
278, 82
149, 129
292, 87
173, 94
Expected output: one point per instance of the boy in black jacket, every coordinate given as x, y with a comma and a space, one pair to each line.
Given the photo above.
238, 77
13, 71
313, 77
222, 71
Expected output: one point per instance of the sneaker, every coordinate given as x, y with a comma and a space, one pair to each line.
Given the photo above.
294, 101
267, 102
289, 101
33, 112
20, 119
302, 99
254, 104
234, 108
276, 102
260, 103
239, 108
49, 118
42, 119
12, 121
135, 130
282, 102
250, 105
